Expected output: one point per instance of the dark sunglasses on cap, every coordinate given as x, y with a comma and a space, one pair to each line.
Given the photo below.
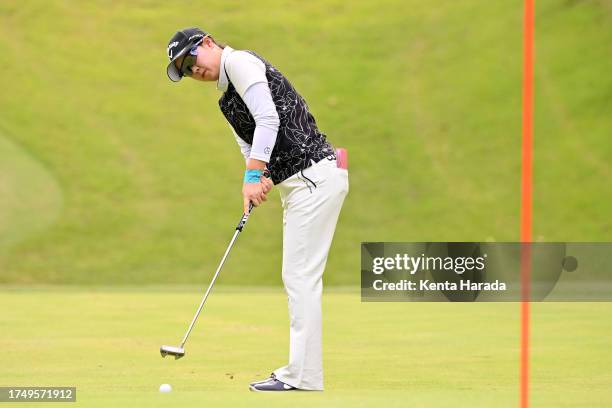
190, 59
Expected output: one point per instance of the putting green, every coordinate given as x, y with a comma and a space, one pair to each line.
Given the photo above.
105, 342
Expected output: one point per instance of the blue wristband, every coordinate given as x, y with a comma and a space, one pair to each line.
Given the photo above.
252, 175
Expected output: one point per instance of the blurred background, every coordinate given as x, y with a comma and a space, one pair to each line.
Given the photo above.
111, 174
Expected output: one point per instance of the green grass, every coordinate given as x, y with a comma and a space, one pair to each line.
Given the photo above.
110, 174
30, 200
105, 342
426, 96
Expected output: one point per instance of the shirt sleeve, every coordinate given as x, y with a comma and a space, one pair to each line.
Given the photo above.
243, 70
245, 148
259, 101
248, 75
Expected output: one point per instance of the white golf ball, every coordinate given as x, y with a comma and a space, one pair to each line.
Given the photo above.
165, 388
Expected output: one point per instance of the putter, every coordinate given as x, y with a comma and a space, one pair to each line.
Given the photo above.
179, 351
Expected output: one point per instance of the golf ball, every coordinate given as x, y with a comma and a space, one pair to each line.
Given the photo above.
165, 388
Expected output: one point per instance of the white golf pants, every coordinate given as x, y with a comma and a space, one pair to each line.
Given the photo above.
311, 200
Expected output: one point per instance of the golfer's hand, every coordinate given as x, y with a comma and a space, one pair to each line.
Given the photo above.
267, 184
254, 193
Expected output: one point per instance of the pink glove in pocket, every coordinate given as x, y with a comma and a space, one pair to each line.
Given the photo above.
342, 158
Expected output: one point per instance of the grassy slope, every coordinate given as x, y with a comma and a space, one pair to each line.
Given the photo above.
426, 96
30, 199
434, 355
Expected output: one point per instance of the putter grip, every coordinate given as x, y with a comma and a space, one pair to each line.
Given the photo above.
244, 218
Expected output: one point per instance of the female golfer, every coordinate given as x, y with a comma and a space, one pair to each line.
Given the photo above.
278, 136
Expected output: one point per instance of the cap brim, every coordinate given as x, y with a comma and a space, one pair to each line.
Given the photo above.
172, 70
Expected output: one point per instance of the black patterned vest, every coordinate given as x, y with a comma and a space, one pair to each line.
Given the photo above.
298, 141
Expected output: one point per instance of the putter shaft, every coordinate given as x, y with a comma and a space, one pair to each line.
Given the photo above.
239, 228
195, 317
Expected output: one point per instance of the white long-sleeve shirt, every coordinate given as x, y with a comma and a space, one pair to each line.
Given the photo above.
248, 75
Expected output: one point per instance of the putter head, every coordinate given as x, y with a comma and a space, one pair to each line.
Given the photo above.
177, 352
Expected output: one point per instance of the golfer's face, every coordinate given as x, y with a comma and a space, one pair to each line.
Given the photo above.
207, 63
